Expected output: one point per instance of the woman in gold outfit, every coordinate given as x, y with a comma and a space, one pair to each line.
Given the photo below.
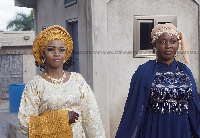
57, 102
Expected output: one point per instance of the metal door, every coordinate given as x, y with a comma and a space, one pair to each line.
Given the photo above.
11, 71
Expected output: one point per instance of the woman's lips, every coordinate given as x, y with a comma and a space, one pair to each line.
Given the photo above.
168, 52
56, 60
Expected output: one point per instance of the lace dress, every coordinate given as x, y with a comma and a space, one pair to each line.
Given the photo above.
168, 105
40, 96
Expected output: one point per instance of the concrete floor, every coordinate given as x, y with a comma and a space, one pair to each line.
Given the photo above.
5, 117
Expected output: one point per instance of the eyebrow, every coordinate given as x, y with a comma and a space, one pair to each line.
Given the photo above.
55, 47
170, 38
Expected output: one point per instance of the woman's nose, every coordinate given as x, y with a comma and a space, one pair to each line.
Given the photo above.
168, 45
56, 53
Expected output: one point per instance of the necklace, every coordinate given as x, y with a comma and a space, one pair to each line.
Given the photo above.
56, 81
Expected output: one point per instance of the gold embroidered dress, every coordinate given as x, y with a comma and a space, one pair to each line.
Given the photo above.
40, 96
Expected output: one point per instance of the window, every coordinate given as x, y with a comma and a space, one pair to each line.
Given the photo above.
70, 2
143, 26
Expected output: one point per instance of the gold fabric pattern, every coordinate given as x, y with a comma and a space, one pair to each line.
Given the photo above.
51, 124
41, 96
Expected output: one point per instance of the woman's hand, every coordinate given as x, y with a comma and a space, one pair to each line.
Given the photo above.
73, 116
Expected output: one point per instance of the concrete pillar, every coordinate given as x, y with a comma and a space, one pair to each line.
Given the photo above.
100, 64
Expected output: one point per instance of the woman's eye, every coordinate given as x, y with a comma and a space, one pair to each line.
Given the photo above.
162, 42
62, 50
50, 49
173, 42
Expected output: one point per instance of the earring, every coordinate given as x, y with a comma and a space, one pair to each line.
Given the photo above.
63, 61
176, 56
43, 60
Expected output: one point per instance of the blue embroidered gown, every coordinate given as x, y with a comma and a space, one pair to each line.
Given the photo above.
169, 104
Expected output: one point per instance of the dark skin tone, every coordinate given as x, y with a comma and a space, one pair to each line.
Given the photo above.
166, 47
54, 54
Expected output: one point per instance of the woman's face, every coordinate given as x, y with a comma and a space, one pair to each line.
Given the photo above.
54, 54
166, 47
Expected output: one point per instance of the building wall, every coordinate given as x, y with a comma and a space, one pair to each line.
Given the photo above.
17, 61
17, 66
113, 30
29, 68
13, 42
16, 38
101, 74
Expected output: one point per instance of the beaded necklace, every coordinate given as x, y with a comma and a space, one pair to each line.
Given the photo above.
56, 81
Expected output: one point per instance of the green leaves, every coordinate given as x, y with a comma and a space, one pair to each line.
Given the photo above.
22, 22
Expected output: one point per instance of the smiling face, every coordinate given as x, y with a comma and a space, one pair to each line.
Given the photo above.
166, 47
54, 54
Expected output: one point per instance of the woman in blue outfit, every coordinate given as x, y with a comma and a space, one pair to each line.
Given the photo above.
163, 99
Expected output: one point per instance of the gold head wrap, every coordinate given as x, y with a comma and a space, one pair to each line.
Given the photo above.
169, 28
55, 32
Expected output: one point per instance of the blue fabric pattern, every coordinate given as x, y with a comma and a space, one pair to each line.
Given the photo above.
170, 90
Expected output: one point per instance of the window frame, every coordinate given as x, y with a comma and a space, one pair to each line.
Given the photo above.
137, 53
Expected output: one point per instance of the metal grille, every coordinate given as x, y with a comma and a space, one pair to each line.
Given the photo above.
11, 71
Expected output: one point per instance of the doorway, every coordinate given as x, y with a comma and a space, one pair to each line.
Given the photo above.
72, 28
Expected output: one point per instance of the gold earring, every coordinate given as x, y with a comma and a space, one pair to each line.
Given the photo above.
63, 61
176, 56
43, 60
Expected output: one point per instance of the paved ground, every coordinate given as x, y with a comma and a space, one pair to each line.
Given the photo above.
5, 117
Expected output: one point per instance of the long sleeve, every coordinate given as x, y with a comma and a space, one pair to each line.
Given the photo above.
193, 104
90, 112
29, 106
194, 113
135, 107
194, 118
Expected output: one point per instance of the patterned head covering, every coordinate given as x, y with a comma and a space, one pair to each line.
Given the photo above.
55, 32
169, 28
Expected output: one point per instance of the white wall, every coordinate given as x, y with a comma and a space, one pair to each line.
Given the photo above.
100, 61
29, 68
